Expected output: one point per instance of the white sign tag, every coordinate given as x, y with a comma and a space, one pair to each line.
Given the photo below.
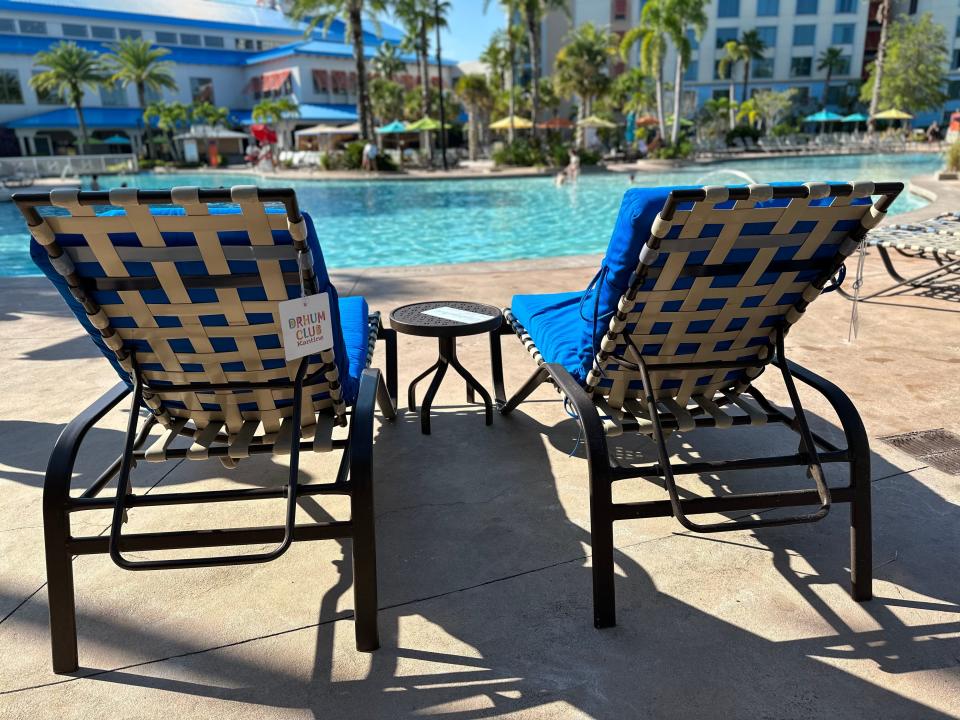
449, 313
306, 325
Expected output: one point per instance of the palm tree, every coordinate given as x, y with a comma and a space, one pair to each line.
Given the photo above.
387, 62
386, 99
206, 113
351, 12
412, 15
729, 58
512, 36
273, 110
581, 67
169, 117
885, 11
651, 33
832, 61
70, 68
533, 12
474, 91
684, 15
495, 56
135, 61
750, 48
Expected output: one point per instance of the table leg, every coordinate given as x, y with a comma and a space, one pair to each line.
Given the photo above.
411, 395
472, 383
432, 392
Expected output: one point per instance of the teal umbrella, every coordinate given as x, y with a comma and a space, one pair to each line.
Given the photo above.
392, 128
117, 140
855, 117
823, 116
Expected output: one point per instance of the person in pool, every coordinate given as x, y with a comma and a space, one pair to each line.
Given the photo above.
95, 182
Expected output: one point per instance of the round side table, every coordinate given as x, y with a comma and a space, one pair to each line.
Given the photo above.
446, 320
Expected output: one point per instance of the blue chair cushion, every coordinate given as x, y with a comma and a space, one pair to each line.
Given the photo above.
354, 324
346, 358
554, 322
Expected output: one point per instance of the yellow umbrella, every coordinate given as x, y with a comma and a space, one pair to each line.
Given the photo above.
519, 123
893, 114
593, 121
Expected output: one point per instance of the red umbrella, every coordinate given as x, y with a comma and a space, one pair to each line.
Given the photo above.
556, 123
263, 133
647, 121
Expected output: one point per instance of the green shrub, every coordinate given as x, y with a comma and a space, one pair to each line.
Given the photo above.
953, 157
353, 155
784, 129
681, 150
589, 157
521, 153
742, 131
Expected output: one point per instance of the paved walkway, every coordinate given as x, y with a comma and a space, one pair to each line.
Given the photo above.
484, 553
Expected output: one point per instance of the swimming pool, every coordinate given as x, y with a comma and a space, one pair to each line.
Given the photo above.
400, 222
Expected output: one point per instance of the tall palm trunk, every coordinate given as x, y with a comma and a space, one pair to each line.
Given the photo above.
732, 98
472, 138
582, 111
746, 78
884, 15
512, 50
363, 97
76, 96
424, 60
677, 98
533, 33
659, 91
826, 84
148, 129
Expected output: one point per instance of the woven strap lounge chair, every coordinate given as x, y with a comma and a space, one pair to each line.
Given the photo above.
180, 291
694, 297
936, 240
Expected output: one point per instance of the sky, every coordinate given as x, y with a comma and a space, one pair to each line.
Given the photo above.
470, 29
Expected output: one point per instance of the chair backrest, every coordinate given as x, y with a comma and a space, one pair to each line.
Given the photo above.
182, 286
722, 271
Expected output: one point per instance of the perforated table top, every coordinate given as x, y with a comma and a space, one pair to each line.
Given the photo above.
445, 318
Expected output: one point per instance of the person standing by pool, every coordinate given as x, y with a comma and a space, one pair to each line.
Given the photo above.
95, 182
573, 168
369, 160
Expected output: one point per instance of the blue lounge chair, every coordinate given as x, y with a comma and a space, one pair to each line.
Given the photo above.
180, 290
695, 294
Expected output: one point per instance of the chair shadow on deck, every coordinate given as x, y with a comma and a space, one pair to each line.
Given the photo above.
478, 552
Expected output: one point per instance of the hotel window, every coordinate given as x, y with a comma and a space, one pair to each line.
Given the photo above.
190, 39
956, 32
725, 35
10, 93
129, 33
768, 8
7, 26
845, 6
762, 68
167, 38
201, 90
843, 33
804, 35
806, 7
769, 35
956, 60
214, 41
152, 95
800, 66
953, 90
245, 44
101, 32
114, 95
692, 71
77, 31
719, 94
620, 9
728, 8
339, 82
33, 27
692, 39
321, 82
844, 67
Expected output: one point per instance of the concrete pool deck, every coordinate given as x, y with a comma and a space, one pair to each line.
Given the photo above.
484, 554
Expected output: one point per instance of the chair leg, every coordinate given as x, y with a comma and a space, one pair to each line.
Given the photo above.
539, 377
60, 595
362, 515
861, 531
601, 541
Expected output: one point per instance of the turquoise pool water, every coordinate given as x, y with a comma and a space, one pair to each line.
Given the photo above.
397, 222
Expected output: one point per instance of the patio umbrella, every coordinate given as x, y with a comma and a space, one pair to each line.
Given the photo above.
592, 121
117, 140
893, 114
519, 123
393, 128
647, 121
263, 133
822, 117
556, 123
426, 124
855, 117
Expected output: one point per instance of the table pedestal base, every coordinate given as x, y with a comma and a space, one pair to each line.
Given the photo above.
447, 358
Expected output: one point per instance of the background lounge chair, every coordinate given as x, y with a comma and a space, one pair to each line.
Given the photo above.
183, 301
692, 302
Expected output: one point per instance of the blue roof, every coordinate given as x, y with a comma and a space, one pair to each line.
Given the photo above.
309, 113
212, 14
95, 117
27, 45
327, 48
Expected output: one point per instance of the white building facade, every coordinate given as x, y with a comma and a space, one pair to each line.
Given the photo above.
229, 53
796, 33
